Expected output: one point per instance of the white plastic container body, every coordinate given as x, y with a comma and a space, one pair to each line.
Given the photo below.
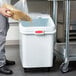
37, 45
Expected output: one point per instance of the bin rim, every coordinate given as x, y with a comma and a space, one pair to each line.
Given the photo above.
49, 29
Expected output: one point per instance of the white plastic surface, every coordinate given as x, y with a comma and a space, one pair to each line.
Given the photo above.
31, 27
36, 50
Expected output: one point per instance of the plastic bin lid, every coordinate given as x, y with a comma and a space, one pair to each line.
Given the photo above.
41, 22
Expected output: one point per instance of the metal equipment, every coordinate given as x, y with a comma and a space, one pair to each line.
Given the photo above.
67, 56
64, 66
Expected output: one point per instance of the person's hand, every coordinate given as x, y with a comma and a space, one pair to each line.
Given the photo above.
5, 12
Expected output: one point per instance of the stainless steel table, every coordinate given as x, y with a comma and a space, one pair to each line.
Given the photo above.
67, 57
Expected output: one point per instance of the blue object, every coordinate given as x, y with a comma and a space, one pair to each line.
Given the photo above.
40, 22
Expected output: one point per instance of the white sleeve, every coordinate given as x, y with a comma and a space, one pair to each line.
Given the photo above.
4, 1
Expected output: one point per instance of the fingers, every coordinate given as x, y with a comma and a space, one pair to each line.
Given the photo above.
10, 13
7, 13
6, 10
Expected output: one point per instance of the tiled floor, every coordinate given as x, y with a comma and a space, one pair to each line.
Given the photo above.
12, 53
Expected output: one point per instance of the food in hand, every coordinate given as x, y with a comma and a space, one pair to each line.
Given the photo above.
16, 14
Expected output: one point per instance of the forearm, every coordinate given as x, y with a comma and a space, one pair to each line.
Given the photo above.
4, 11
0, 10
